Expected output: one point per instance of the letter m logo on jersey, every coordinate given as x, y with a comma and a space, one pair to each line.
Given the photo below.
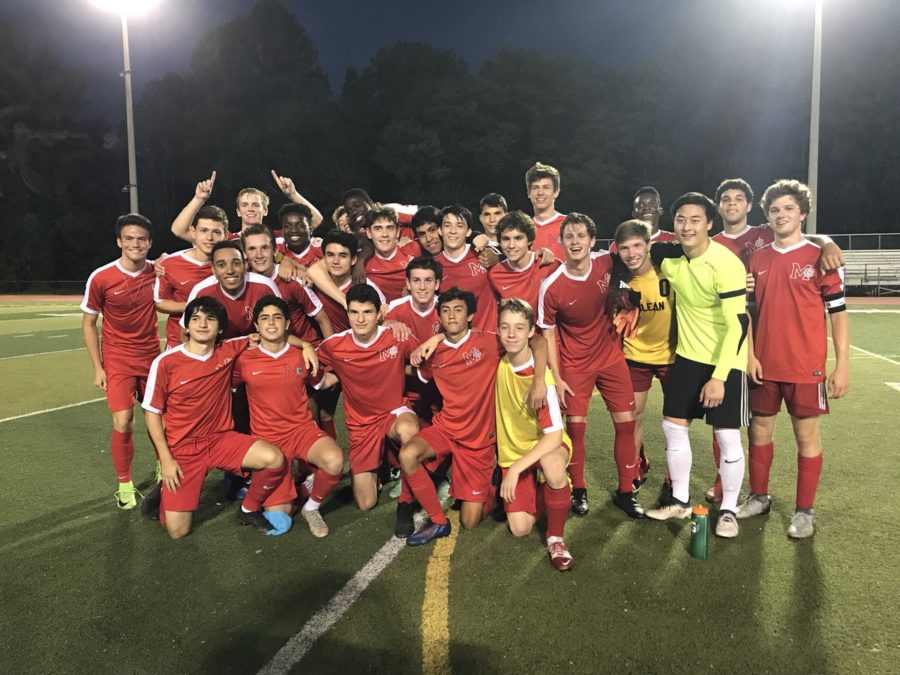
390, 353
476, 269
805, 273
472, 356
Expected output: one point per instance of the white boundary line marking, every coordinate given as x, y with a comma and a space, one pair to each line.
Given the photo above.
55, 351
893, 385
868, 353
298, 646
49, 410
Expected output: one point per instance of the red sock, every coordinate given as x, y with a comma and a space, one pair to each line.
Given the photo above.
717, 457
808, 471
576, 465
426, 495
122, 446
624, 452
760, 467
488, 502
406, 495
264, 481
328, 427
557, 502
323, 484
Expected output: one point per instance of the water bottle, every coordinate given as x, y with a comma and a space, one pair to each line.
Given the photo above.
699, 531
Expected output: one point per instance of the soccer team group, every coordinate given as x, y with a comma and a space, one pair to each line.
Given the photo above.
467, 351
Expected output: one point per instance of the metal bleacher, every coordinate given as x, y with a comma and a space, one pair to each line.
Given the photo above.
875, 272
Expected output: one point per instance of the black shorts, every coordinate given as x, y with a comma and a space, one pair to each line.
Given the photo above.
682, 395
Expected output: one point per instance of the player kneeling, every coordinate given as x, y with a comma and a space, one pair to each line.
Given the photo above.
529, 442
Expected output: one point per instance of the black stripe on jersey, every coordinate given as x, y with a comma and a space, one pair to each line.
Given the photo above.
744, 320
833, 296
733, 294
839, 308
665, 249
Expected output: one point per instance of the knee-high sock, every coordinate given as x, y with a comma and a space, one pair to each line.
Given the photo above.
731, 468
122, 449
323, 484
626, 457
808, 471
328, 427
406, 495
426, 495
760, 467
264, 481
678, 459
557, 504
579, 452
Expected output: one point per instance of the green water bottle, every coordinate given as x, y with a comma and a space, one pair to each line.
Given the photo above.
699, 531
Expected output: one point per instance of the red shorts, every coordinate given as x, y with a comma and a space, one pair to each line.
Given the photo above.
613, 383
126, 381
472, 468
197, 457
294, 446
367, 443
642, 375
526, 494
802, 399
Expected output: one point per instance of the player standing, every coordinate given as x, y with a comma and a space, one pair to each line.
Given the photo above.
789, 350
122, 291
542, 182
521, 273
387, 266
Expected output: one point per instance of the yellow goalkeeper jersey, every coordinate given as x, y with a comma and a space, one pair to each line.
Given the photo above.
653, 343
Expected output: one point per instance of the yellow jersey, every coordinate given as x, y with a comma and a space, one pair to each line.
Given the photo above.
653, 343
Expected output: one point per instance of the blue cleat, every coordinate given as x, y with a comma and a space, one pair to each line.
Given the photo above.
428, 533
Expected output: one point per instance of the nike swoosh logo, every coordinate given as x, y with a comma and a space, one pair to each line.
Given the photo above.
733, 461
184, 282
477, 492
503, 288
257, 372
185, 381
573, 302
346, 360
118, 292
761, 272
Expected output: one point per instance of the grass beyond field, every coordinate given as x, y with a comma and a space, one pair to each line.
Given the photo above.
89, 588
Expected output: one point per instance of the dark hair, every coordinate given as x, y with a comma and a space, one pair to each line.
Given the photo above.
356, 192
697, 199
517, 220
787, 187
425, 262
210, 212
251, 230
209, 306
459, 211
381, 212
133, 219
578, 218
518, 307
734, 184
363, 293
493, 199
346, 239
632, 229
228, 243
647, 190
273, 300
425, 214
539, 171
300, 209
457, 293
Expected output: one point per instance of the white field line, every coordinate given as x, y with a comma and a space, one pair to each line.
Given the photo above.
52, 337
874, 311
55, 351
50, 410
872, 354
893, 385
21, 335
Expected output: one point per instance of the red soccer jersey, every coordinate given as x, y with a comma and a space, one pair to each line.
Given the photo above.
182, 274
576, 308
129, 328
790, 335
389, 273
335, 310
546, 235
303, 305
422, 324
239, 308
747, 241
469, 274
659, 235
373, 374
509, 282
276, 390
193, 393
307, 257
464, 374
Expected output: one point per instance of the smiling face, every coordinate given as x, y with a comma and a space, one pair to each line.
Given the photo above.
272, 324
203, 328
251, 208
356, 208
135, 243
422, 286
692, 227
260, 254
295, 227
577, 242
429, 238
734, 207
207, 233
454, 231
646, 207
229, 268
489, 217
786, 218
635, 253
543, 195
339, 261
514, 245
514, 331
383, 233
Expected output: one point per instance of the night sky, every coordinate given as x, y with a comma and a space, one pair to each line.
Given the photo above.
614, 33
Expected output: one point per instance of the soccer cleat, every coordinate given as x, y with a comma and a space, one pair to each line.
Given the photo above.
727, 526
560, 557
317, 524
256, 519
428, 533
235, 486
403, 525
150, 505
754, 505
673, 509
627, 502
396, 489
579, 501
803, 524
644, 469
126, 496
665, 495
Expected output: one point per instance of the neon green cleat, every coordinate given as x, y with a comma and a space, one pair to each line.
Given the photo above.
126, 496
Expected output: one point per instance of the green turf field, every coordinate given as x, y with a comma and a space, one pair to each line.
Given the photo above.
89, 588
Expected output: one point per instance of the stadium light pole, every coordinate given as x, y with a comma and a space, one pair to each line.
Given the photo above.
126, 8
812, 173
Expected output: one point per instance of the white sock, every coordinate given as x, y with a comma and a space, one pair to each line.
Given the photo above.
311, 505
679, 458
731, 466
553, 540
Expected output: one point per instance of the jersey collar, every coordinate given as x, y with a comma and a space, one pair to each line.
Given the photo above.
456, 345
